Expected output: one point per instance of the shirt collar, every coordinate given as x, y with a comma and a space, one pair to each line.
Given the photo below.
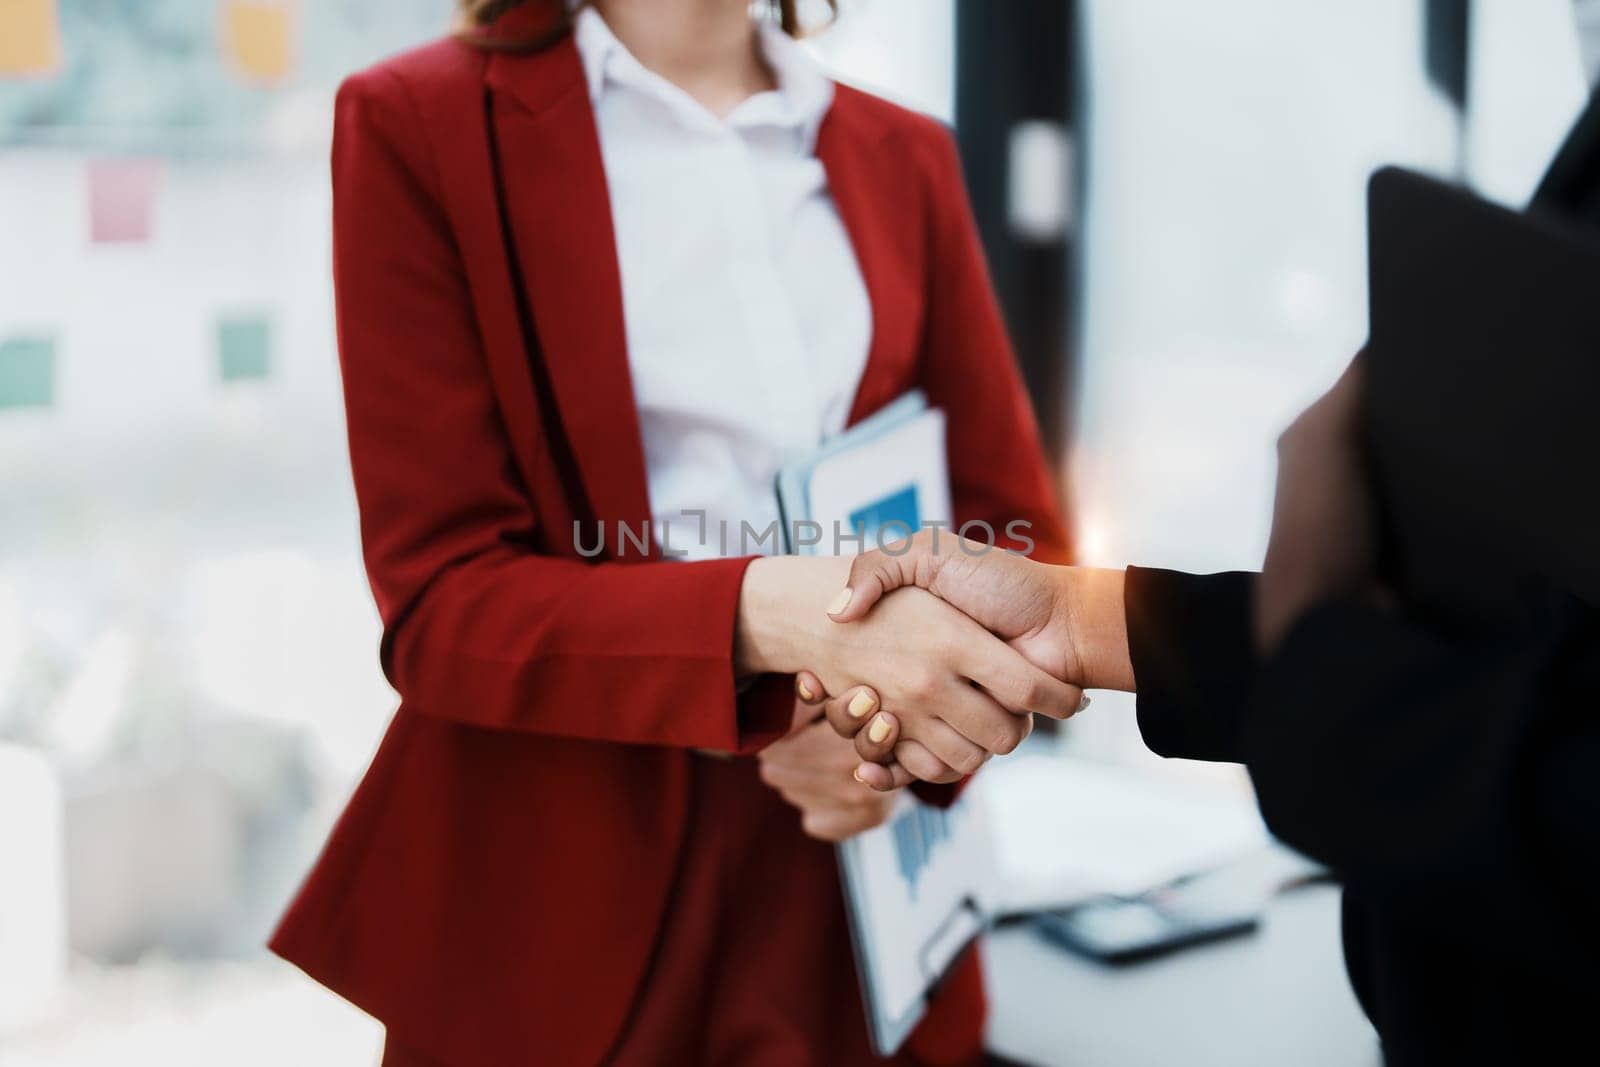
803, 96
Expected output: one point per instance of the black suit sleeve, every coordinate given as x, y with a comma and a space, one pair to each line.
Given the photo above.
1456, 782
1189, 641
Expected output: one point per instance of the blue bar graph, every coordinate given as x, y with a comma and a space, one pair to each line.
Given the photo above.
900, 508
917, 834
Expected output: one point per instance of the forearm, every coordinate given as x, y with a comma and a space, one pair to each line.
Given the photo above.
1093, 605
630, 653
782, 614
1189, 645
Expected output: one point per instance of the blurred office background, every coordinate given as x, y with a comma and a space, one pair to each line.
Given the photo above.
1172, 194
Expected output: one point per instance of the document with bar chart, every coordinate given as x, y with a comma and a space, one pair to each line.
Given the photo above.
879, 481
920, 888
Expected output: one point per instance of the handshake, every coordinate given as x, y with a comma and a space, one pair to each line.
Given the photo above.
1034, 637
938, 652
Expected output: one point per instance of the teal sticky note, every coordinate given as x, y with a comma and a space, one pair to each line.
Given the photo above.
27, 372
245, 347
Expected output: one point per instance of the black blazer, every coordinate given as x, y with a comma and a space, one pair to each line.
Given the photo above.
1453, 787
1452, 784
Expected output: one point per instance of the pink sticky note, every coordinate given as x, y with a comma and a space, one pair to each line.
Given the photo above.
122, 196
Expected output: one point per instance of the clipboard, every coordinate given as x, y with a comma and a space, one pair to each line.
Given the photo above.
918, 891
920, 888
1481, 379
883, 477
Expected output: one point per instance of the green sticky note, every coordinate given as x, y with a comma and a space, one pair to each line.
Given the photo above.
27, 372
245, 345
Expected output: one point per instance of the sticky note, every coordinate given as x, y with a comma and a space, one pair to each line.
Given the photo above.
30, 38
244, 347
122, 197
258, 38
27, 371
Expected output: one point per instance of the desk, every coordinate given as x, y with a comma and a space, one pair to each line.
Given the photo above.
1276, 997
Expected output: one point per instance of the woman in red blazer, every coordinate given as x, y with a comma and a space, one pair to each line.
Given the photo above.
546, 862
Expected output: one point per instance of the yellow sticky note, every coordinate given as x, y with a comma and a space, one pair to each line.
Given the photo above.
258, 38
30, 38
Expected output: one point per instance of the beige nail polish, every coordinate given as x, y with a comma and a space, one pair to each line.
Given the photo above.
804, 690
860, 704
878, 730
856, 774
840, 602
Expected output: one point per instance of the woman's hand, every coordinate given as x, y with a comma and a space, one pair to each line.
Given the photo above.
879, 735
814, 770
971, 693
1068, 620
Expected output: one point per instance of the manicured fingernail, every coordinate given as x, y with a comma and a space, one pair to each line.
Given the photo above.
878, 730
861, 704
804, 690
1084, 703
840, 602
856, 774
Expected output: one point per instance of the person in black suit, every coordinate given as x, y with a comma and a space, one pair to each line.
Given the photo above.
1451, 780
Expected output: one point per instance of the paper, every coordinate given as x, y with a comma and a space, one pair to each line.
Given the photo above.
889, 485
30, 38
244, 349
27, 372
258, 38
122, 196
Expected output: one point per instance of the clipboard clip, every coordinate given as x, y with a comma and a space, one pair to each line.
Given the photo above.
949, 942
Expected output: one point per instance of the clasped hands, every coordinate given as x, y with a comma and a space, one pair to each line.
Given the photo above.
1065, 627
963, 643
918, 652
1065, 623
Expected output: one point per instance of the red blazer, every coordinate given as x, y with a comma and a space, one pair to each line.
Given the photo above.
497, 881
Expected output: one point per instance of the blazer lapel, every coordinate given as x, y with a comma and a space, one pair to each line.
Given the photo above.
559, 218
886, 233
560, 224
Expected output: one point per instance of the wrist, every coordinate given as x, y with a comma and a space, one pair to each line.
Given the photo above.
1095, 626
782, 612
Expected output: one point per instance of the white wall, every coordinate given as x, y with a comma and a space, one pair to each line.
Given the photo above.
902, 49
1527, 87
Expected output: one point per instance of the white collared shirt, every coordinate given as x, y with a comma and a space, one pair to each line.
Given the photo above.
747, 318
